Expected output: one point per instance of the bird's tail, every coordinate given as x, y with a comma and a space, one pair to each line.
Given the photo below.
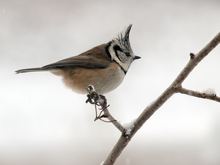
29, 70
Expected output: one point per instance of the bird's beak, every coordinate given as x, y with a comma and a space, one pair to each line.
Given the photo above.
136, 57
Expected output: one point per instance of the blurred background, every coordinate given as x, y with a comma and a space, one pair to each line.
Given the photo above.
44, 123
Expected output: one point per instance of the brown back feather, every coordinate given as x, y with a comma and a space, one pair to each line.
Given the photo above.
93, 58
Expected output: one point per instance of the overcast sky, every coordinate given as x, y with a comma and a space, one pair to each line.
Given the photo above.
40, 116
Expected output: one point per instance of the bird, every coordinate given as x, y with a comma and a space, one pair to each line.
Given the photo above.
104, 66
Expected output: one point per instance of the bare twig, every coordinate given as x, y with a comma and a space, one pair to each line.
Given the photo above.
172, 89
203, 95
100, 103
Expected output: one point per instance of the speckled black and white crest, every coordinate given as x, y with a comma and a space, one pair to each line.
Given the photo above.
123, 38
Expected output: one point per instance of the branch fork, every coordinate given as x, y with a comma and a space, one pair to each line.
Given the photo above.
175, 87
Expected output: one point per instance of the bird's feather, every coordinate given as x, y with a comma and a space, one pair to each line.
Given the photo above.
93, 58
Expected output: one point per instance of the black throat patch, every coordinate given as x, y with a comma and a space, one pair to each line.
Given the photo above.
107, 50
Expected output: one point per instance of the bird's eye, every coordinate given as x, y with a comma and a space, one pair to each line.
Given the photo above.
127, 54
121, 54
117, 48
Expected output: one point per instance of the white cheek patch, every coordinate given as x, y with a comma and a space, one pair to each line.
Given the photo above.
122, 60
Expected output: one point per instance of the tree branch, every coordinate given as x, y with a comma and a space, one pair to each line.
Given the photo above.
116, 123
175, 87
203, 95
101, 105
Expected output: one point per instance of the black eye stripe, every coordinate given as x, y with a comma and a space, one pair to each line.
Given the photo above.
127, 54
117, 48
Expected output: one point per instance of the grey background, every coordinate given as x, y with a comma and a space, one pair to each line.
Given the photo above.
43, 122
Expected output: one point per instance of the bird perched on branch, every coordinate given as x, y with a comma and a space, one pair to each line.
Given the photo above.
103, 66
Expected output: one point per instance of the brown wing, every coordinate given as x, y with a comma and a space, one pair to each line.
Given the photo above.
93, 58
